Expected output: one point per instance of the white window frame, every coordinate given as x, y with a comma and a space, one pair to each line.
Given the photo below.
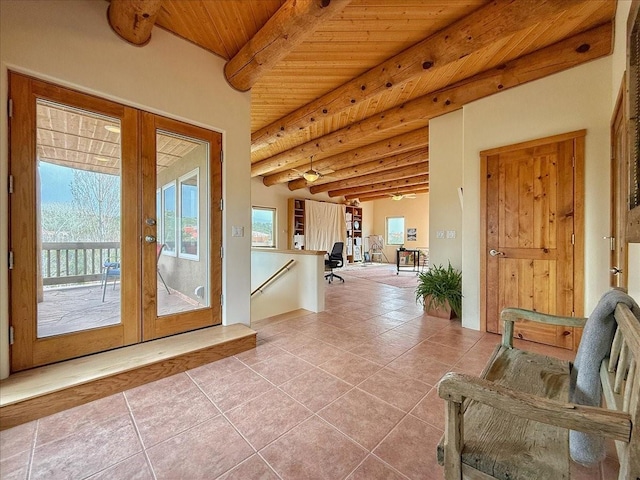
188, 256
166, 251
275, 226
402, 231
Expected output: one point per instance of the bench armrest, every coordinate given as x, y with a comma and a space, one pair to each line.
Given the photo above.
511, 315
455, 387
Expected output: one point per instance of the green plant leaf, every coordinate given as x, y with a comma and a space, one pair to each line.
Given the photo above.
442, 285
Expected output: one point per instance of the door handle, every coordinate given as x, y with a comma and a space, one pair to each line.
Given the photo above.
150, 239
495, 253
614, 270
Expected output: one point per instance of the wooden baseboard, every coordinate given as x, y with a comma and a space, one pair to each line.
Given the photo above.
42, 391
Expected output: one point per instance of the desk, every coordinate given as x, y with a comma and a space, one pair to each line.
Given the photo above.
407, 259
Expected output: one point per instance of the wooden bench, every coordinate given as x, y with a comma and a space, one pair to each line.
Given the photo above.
513, 422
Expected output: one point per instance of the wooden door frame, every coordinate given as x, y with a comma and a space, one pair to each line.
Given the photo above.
28, 350
578, 216
154, 326
619, 186
136, 258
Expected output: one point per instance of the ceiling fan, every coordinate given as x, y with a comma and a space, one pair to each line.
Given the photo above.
311, 175
400, 196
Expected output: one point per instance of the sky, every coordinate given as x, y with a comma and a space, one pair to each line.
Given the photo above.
55, 183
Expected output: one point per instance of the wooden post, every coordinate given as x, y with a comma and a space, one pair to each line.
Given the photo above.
133, 20
453, 439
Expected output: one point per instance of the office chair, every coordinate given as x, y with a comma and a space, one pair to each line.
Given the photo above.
111, 269
335, 260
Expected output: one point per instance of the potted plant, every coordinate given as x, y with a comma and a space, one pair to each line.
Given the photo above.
440, 291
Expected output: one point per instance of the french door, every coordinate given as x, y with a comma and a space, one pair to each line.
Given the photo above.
113, 236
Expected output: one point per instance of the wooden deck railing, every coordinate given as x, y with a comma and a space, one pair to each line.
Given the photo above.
76, 262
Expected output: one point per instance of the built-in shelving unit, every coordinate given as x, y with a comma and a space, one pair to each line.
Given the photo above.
354, 242
296, 224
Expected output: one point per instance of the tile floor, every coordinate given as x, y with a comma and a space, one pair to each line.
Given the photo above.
344, 394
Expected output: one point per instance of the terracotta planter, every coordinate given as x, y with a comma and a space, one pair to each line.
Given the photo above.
443, 311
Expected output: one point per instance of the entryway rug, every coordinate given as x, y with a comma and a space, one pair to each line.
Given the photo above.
381, 273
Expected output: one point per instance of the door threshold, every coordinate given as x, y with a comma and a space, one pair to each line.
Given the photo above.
42, 391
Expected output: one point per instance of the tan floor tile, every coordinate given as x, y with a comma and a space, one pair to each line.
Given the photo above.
87, 450
440, 353
363, 417
159, 416
15, 467
351, 368
431, 409
411, 449
282, 368
230, 392
203, 452
215, 370
316, 388
313, 451
254, 468
266, 417
317, 352
17, 439
416, 365
399, 390
379, 352
64, 423
374, 469
133, 468
259, 354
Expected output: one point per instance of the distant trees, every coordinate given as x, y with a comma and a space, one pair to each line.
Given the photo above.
96, 199
94, 214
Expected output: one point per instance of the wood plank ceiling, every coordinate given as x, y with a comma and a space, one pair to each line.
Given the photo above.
352, 84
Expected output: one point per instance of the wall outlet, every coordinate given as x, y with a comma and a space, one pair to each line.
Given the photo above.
440, 234
451, 234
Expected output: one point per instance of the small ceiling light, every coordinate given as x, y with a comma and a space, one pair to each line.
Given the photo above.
102, 159
311, 176
397, 197
112, 128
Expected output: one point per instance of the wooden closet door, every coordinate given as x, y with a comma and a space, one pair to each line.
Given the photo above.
530, 245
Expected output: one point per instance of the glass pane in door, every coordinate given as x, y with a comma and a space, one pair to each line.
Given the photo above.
78, 218
182, 206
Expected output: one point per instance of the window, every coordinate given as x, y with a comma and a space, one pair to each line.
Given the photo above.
263, 221
169, 218
395, 230
189, 217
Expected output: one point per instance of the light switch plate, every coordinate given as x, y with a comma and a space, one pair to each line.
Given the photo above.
440, 234
237, 231
451, 234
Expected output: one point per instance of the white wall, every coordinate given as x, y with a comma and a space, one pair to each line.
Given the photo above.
572, 100
276, 197
416, 215
301, 287
446, 139
70, 42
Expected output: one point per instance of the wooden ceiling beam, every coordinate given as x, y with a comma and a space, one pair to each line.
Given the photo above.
374, 187
377, 177
497, 20
133, 20
386, 194
384, 148
586, 46
382, 164
287, 28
